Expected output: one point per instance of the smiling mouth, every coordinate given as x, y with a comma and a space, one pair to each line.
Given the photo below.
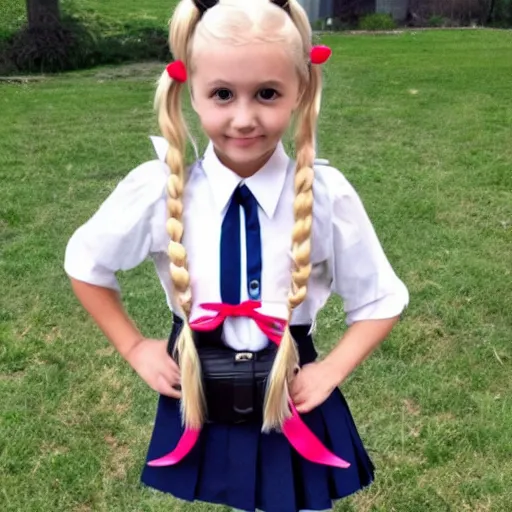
244, 142
245, 138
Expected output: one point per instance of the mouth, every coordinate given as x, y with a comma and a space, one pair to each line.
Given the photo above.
244, 141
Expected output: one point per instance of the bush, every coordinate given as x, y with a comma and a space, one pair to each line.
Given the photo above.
436, 21
377, 22
81, 42
5, 35
461, 12
502, 15
68, 46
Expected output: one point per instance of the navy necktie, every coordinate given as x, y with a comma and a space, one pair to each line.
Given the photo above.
230, 248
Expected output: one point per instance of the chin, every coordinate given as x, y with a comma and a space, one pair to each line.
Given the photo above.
248, 156
256, 149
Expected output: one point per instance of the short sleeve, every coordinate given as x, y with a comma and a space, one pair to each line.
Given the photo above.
123, 231
362, 274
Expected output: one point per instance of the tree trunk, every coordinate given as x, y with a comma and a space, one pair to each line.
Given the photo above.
43, 13
490, 13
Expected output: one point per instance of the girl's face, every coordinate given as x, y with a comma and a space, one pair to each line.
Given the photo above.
245, 97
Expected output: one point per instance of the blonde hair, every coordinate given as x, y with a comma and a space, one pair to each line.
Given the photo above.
230, 20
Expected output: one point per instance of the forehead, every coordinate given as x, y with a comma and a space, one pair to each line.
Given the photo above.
244, 64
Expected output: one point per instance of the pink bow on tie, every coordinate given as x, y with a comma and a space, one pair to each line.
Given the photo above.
271, 326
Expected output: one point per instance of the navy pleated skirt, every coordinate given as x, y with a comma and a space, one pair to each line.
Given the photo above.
241, 467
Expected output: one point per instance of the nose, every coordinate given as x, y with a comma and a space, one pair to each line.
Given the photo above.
244, 117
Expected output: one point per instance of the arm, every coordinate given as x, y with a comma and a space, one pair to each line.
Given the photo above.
104, 306
119, 236
316, 381
373, 296
359, 341
147, 357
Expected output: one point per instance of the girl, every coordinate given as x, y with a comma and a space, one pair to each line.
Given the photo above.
248, 245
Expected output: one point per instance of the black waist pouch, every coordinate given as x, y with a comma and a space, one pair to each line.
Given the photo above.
235, 382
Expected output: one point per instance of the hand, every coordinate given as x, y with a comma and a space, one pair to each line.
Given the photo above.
312, 386
149, 358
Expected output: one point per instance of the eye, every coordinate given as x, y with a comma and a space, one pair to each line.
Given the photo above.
268, 94
223, 94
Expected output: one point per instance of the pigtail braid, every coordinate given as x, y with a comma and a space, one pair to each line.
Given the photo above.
287, 359
168, 103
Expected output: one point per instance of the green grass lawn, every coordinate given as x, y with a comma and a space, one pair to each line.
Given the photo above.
421, 125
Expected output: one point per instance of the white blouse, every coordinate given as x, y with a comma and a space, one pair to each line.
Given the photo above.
346, 254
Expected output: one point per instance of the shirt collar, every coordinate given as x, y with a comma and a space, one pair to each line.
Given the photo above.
265, 185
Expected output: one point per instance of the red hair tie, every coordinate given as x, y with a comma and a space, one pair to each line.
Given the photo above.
320, 54
177, 71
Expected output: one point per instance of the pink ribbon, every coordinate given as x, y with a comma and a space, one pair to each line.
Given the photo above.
307, 444
272, 327
294, 429
185, 444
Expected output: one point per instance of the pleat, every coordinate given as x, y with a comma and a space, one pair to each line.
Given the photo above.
212, 485
242, 455
313, 493
276, 487
348, 445
181, 479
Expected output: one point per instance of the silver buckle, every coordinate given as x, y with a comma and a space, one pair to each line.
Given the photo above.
244, 356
